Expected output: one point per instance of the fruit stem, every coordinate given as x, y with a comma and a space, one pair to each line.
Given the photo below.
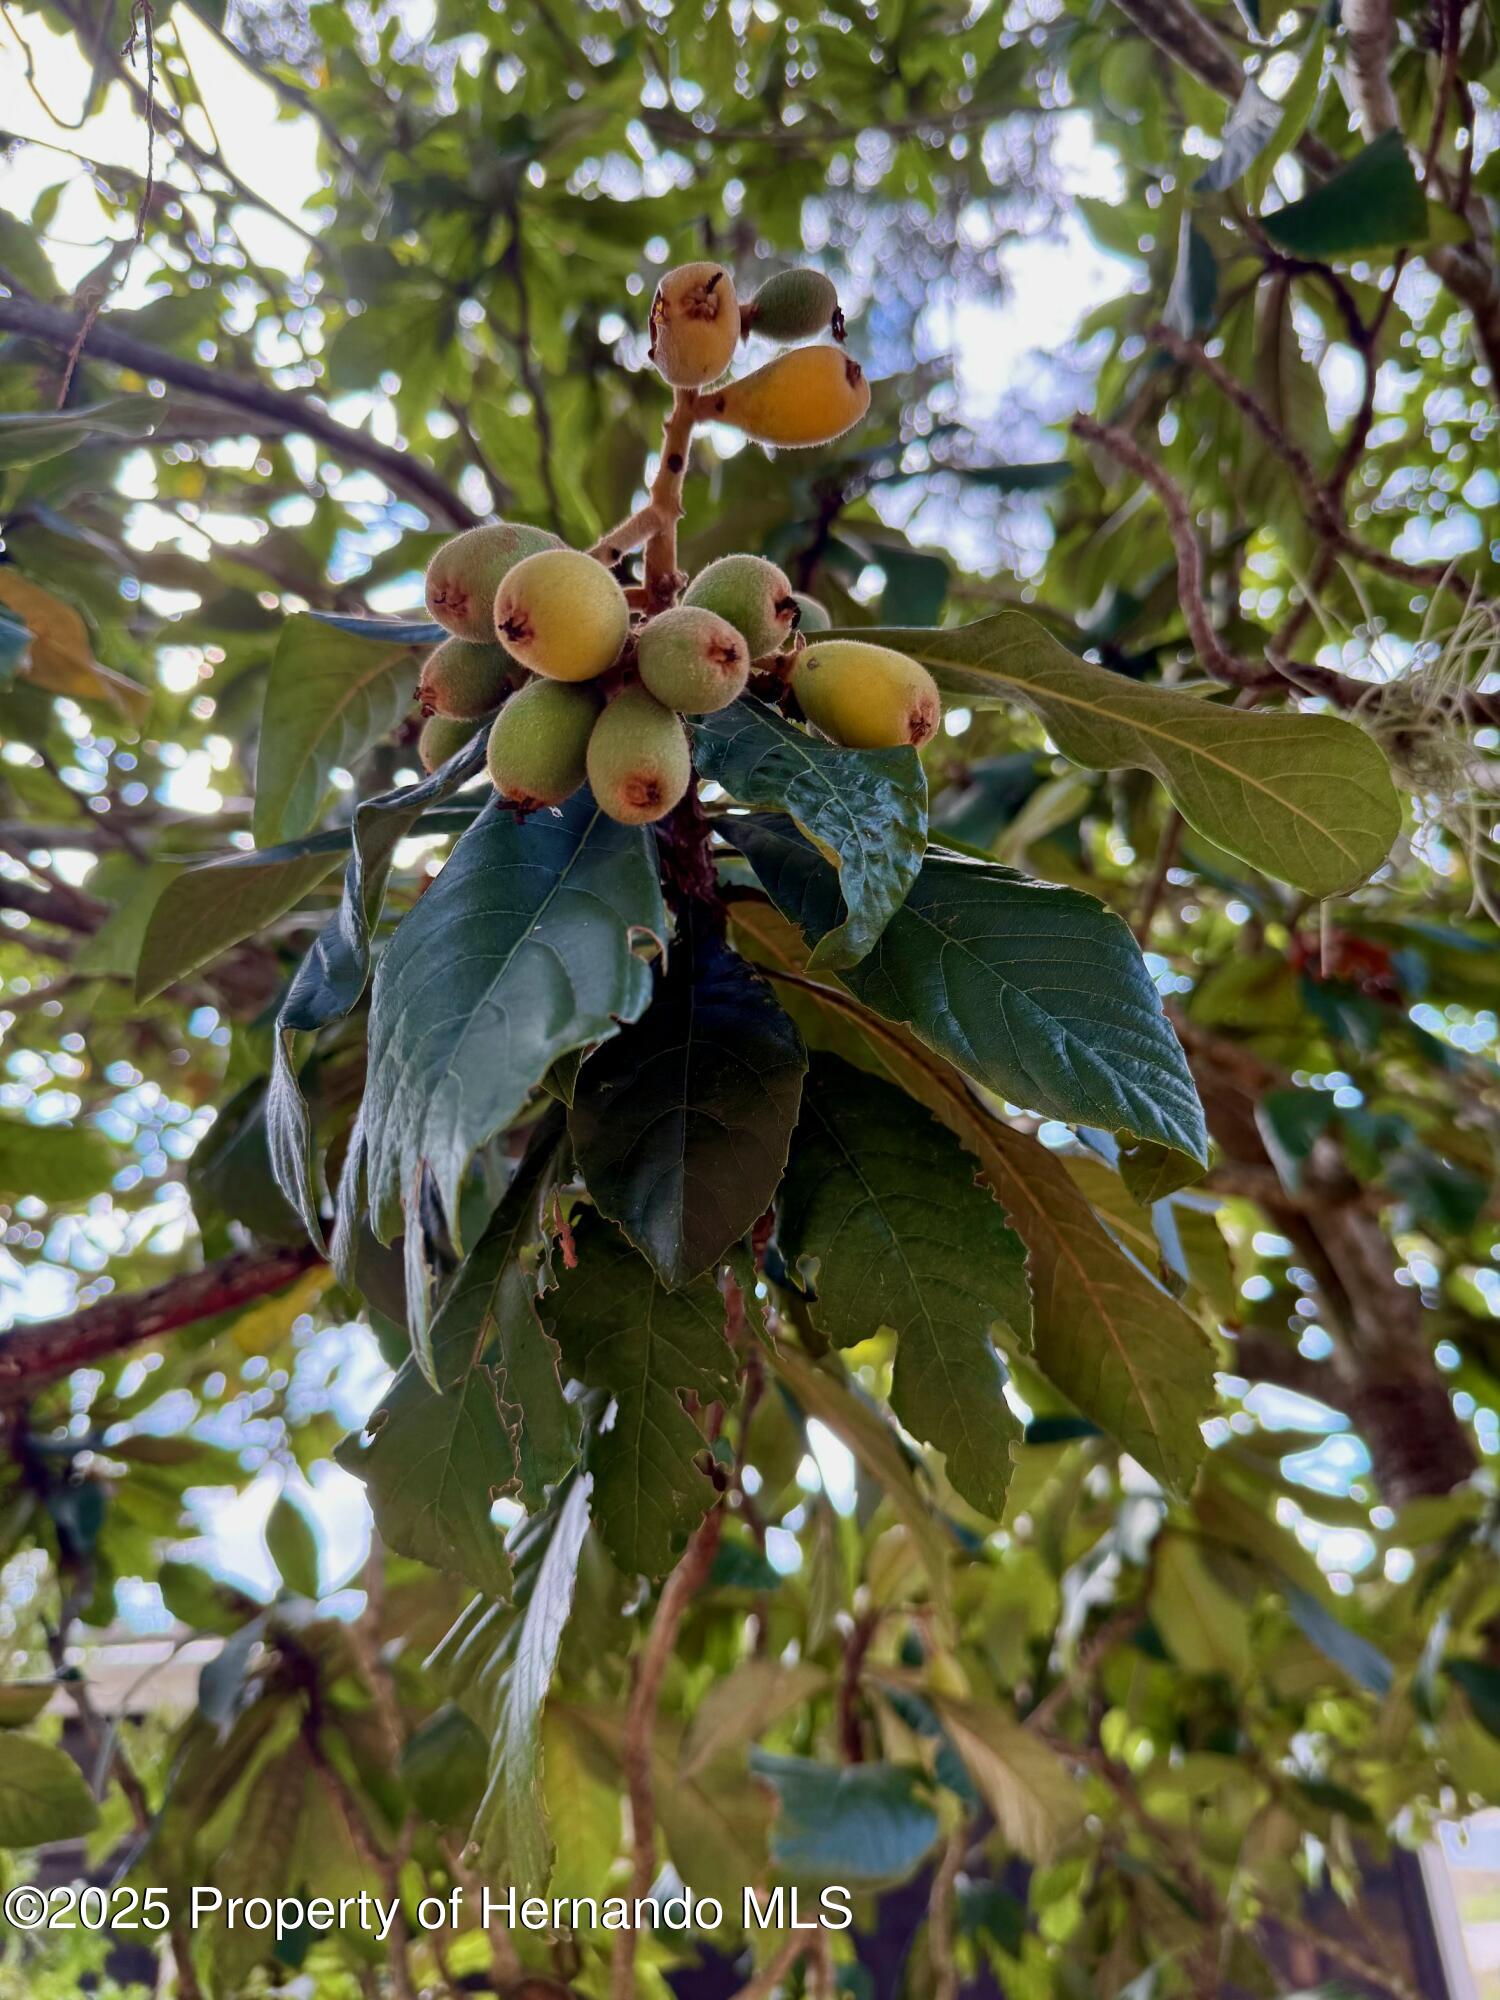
689, 877
663, 581
626, 535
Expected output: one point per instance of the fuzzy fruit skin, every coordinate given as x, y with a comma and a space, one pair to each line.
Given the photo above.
867, 697
463, 680
539, 742
442, 737
639, 764
695, 322
811, 615
464, 575
692, 660
753, 595
795, 305
807, 396
563, 615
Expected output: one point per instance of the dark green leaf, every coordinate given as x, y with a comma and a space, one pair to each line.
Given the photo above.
1290, 1122
435, 1466
331, 979
1037, 992
881, 1214
442, 1767
1373, 203
489, 1313
621, 1331
1481, 1686
681, 1124
1195, 284
855, 1824
526, 946
864, 810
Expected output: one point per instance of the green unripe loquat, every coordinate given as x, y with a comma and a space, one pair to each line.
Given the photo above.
692, 660
753, 595
464, 575
538, 746
795, 305
464, 681
563, 615
811, 615
639, 764
442, 737
695, 322
865, 696
807, 396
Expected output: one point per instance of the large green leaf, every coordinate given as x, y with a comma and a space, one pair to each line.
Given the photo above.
1037, 992
434, 1466
42, 1794
331, 978
855, 1824
882, 1215
1103, 1332
203, 911
622, 1331
681, 1124
1307, 798
331, 695
864, 810
501, 1660
1373, 203
526, 946
489, 1314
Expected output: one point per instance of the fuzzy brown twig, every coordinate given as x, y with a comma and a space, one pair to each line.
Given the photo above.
287, 411
32, 1356
678, 1592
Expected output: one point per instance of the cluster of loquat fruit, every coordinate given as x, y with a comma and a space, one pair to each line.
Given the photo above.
591, 682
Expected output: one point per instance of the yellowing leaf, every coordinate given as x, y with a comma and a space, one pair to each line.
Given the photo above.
266, 1326
60, 657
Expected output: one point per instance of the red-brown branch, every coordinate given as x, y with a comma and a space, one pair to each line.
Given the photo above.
678, 1592
31, 1356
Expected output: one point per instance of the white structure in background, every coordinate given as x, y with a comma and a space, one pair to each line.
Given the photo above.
1461, 1870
